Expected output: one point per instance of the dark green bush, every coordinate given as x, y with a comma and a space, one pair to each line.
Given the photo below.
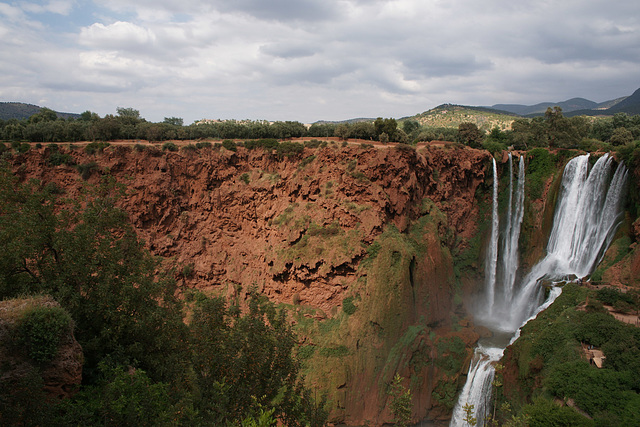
96, 147
139, 148
203, 144
245, 178
169, 146
229, 145
56, 158
289, 149
40, 330
86, 169
348, 306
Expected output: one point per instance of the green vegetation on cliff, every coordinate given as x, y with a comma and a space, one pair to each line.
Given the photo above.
143, 364
549, 363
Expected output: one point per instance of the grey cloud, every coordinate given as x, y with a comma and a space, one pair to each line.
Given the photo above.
282, 10
288, 51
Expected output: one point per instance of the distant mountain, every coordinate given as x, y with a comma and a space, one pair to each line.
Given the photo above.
20, 110
359, 119
579, 106
569, 105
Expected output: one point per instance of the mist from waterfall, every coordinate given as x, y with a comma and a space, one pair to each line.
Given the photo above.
587, 215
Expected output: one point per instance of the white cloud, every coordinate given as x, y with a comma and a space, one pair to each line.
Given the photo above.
311, 59
60, 7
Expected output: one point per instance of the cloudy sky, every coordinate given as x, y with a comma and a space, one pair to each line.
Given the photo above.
311, 60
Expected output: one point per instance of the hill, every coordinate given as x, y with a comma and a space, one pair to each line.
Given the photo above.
451, 116
20, 110
572, 104
579, 106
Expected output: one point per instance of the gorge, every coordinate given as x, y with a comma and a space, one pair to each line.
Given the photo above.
375, 253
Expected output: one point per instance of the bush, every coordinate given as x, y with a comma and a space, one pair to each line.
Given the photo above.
40, 330
169, 146
203, 144
289, 149
139, 148
95, 147
229, 145
86, 169
348, 306
245, 178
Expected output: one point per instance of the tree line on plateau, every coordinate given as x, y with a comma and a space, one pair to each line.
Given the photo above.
552, 130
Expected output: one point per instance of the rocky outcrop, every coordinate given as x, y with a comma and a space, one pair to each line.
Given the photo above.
61, 375
235, 217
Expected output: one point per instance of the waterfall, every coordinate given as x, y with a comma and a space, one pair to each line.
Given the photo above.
587, 215
492, 254
515, 214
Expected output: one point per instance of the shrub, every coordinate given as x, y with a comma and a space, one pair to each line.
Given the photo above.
245, 178
265, 144
40, 330
139, 148
169, 146
86, 169
289, 149
306, 161
95, 147
348, 306
203, 144
229, 145
189, 148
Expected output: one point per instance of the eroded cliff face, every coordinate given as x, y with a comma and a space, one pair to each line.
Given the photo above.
377, 227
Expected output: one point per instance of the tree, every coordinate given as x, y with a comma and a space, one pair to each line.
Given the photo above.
410, 126
469, 134
468, 414
387, 126
401, 405
621, 136
128, 112
174, 121
86, 255
343, 131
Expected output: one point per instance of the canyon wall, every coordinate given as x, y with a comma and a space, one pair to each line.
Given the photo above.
359, 243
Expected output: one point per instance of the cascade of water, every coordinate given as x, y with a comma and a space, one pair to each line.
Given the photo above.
492, 253
587, 215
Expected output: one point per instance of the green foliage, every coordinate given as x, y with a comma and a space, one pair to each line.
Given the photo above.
169, 146
451, 354
41, 329
401, 406
96, 147
469, 134
57, 158
203, 144
540, 167
253, 353
348, 306
86, 169
265, 144
306, 161
445, 393
245, 178
545, 413
289, 149
229, 145
468, 415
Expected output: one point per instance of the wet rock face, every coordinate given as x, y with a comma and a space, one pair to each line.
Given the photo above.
291, 226
61, 375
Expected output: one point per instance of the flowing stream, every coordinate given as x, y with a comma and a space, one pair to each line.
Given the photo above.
587, 215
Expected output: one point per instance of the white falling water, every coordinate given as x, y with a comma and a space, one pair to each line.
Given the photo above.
515, 214
587, 215
492, 253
